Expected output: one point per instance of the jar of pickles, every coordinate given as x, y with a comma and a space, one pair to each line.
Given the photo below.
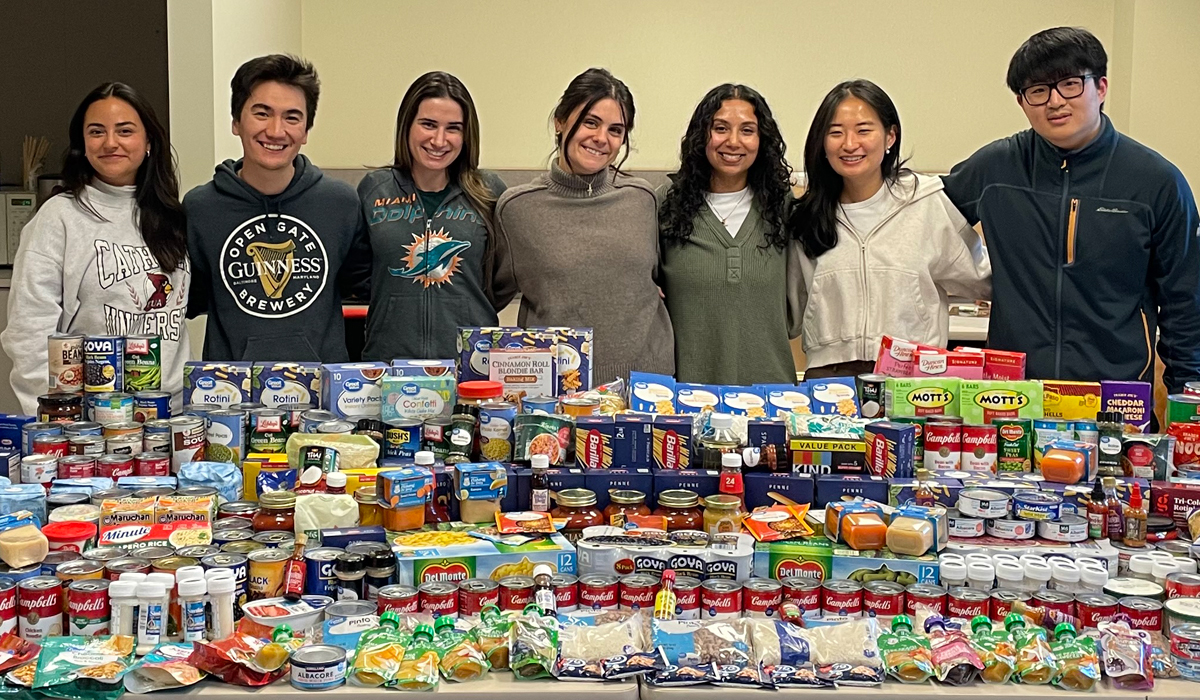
623, 503
722, 513
681, 508
578, 507
276, 511
368, 508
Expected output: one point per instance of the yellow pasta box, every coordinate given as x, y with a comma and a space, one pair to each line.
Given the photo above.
1070, 400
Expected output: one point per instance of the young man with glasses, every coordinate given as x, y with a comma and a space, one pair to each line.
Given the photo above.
1093, 237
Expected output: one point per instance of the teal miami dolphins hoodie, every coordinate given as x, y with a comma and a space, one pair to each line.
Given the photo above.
270, 270
428, 275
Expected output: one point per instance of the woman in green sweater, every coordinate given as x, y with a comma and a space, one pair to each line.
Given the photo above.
723, 242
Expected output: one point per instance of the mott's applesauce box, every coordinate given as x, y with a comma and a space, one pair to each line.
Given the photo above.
922, 396
981, 401
651, 393
786, 398
283, 384
1070, 400
426, 556
574, 358
749, 401
220, 383
1135, 400
694, 398
352, 390
417, 389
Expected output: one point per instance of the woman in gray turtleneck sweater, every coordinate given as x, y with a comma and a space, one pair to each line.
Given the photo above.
580, 243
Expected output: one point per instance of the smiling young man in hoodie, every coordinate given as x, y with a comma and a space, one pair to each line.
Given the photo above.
272, 241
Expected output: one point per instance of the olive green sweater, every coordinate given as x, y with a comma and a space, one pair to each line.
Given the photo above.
728, 302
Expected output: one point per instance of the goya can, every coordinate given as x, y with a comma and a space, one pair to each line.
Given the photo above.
319, 578
268, 431
402, 438
496, 431
103, 363
1014, 444
239, 564
111, 407
87, 607
226, 435
66, 363
151, 405
143, 365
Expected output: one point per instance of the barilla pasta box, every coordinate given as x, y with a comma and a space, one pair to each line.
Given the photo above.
694, 398
1133, 399
1070, 400
525, 362
422, 368
671, 438
415, 394
947, 363
836, 395
786, 398
283, 384
633, 436
895, 357
981, 401
747, 401
594, 442
651, 393
922, 396
574, 358
890, 449
353, 390
220, 383
474, 344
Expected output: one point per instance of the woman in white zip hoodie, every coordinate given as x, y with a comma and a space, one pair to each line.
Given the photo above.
879, 249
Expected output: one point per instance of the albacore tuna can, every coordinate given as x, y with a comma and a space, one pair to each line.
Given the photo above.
318, 667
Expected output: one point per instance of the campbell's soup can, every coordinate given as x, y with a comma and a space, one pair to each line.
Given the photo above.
841, 597
39, 608
761, 597
87, 607
943, 445
719, 599
1144, 613
687, 598
924, 595
965, 603
516, 592
1181, 584
8, 606
979, 443
637, 592
805, 593
399, 598
438, 598
883, 599
474, 594
566, 592
1094, 608
1055, 600
600, 592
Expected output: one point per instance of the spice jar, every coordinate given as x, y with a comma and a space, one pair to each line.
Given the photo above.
477, 393
722, 513
681, 508
578, 507
368, 509
60, 408
623, 503
276, 511
464, 429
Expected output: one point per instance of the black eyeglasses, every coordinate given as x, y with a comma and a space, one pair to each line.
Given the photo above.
1038, 95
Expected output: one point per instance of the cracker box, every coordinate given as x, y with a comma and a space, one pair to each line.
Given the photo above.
694, 398
353, 390
219, 383
705, 482
452, 557
768, 441
633, 437
671, 442
836, 395
981, 401
890, 449
828, 455
285, 384
922, 396
759, 485
422, 368
574, 358
1134, 399
474, 344
743, 401
845, 487
1070, 400
416, 397
594, 442
947, 363
651, 393
786, 398
603, 481
895, 357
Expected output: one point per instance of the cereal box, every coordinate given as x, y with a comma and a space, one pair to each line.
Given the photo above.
694, 398
895, 357
786, 398
422, 368
416, 396
1134, 399
594, 442
283, 384
834, 395
947, 363
744, 401
474, 344
1070, 400
671, 438
981, 400
890, 449
220, 383
651, 393
352, 390
574, 358
922, 396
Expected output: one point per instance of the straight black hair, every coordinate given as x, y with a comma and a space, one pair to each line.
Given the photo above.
813, 220
586, 89
279, 68
1054, 54
160, 215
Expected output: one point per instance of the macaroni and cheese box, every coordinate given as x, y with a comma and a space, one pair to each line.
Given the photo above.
651, 393
786, 398
744, 401
836, 395
947, 363
10, 430
633, 436
922, 396
671, 442
1134, 399
219, 383
980, 401
284, 384
352, 390
474, 344
454, 556
694, 398
574, 358
1070, 400
417, 397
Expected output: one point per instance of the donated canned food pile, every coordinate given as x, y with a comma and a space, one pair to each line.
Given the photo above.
426, 522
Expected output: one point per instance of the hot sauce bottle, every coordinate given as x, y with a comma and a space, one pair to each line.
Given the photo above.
1097, 513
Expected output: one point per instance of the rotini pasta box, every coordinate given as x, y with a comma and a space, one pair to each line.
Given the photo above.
786, 398
474, 344
836, 395
651, 393
922, 396
411, 392
220, 383
432, 555
283, 384
747, 401
574, 358
981, 400
694, 398
353, 390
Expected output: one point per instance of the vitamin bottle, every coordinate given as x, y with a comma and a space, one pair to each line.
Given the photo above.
192, 609
543, 590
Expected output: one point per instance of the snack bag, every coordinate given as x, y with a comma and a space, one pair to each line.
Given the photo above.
492, 635
103, 659
1125, 653
600, 647
689, 656
234, 659
955, 661
461, 659
165, 667
1036, 664
419, 669
1078, 659
794, 667
996, 650
907, 657
848, 654
533, 646
380, 652
15, 652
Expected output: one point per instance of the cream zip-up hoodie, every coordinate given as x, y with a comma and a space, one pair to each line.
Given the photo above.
895, 279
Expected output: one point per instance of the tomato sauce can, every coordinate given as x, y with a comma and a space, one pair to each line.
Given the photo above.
979, 448
1094, 608
1002, 602
637, 592
516, 592
87, 607
438, 598
1144, 613
152, 464
39, 608
8, 606
566, 592
720, 599
475, 594
805, 593
77, 467
943, 445
965, 603
925, 595
600, 592
398, 598
114, 568
1180, 585
1055, 600
842, 597
761, 597
687, 598
883, 599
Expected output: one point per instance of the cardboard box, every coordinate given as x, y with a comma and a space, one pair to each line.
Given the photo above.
981, 401
769, 437
651, 393
799, 487
525, 362
285, 384
594, 442
1070, 400
945, 491
694, 398
422, 368
947, 363
1134, 399
828, 455
817, 559
633, 435
353, 390
10, 464
890, 448
416, 396
836, 395
474, 345
922, 396
845, 487
786, 398
1175, 499
705, 482
574, 358
895, 357
480, 559
10, 431
743, 401
671, 442
559, 478
219, 383
602, 481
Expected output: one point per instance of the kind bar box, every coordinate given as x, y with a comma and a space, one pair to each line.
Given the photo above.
574, 358
414, 394
981, 401
1070, 400
817, 454
651, 393
285, 384
352, 390
1134, 399
220, 383
890, 449
786, 398
836, 395
694, 398
922, 396
947, 363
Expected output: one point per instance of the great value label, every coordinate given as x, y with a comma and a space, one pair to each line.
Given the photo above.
283, 384
416, 397
352, 390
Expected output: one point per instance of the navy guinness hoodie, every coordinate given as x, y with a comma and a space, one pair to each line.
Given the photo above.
266, 268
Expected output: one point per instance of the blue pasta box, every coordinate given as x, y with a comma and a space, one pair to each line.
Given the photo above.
651, 393
836, 395
474, 344
743, 401
422, 368
559, 478
219, 383
671, 442
594, 442
284, 384
10, 464
632, 438
890, 448
10, 430
353, 390
705, 482
602, 481
828, 455
342, 537
574, 358
945, 491
786, 398
798, 487
769, 437
694, 398
845, 487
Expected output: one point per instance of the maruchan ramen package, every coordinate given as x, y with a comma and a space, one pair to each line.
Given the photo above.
981, 401
924, 396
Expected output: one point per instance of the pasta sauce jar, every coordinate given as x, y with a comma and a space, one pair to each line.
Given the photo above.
578, 507
681, 508
624, 503
276, 511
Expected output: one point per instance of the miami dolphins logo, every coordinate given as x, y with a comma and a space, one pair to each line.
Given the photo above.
432, 258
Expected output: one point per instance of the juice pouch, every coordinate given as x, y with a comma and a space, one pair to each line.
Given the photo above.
492, 634
1078, 659
534, 646
1125, 653
380, 652
1035, 660
955, 661
907, 657
461, 657
996, 650
419, 669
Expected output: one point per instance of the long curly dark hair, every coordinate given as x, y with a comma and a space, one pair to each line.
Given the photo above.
769, 177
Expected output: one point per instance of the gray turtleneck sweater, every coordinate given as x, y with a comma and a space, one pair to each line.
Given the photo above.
583, 252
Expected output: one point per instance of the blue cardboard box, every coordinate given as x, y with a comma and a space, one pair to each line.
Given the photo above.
651, 393
10, 430
671, 442
844, 487
632, 438
594, 442
769, 437
704, 482
786, 398
801, 488
890, 449
560, 478
604, 480
743, 400
694, 398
